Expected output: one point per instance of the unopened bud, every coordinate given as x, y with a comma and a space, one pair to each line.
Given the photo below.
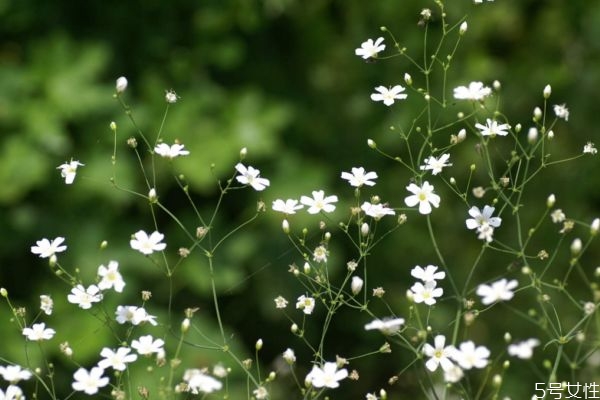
371, 144
532, 135
537, 114
185, 325
3, 292
152, 197
258, 345
463, 28
306, 268
462, 134
121, 84
356, 285
243, 153
595, 226
547, 91
408, 79
576, 246
113, 126
497, 85
364, 229
550, 134
285, 225
550, 201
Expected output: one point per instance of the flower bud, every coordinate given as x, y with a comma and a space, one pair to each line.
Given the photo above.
371, 144
462, 134
285, 225
356, 285
152, 197
289, 356
121, 84
408, 79
507, 337
537, 114
496, 85
463, 28
550, 201
3, 292
547, 91
364, 229
243, 153
113, 126
259, 344
550, 134
595, 226
306, 268
576, 246
294, 328
532, 135
185, 325
518, 128
103, 245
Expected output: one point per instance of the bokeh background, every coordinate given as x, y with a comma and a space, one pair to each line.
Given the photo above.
279, 77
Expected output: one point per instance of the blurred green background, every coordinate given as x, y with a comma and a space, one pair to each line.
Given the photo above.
279, 77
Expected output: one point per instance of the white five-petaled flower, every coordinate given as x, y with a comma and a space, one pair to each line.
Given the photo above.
492, 128
436, 164
475, 91
468, 356
358, 177
387, 326
319, 202
483, 222
111, 277
377, 211
46, 304
426, 293
287, 207
439, 355
147, 244
369, 49
423, 196
328, 376
38, 332
306, 304
147, 345
46, 249
500, 290
175, 150
118, 359
251, 176
134, 315
524, 349
68, 170
590, 148
389, 96
561, 111
85, 297
14, 373
428, 274
199, 382
89, 381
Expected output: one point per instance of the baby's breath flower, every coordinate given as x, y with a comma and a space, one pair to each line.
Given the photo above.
171, 97
557, 216
306, 304
389, 95
561, 111
590, 148
370, 48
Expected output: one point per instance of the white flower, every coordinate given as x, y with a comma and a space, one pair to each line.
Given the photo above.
377, 211
306, 304
46, 249
38, 332
426, 293
428, 274
12, 393
117, 360
111, 278
389, 96
89, 381
590, 148
146, 345
134, 315
320, 254
558, 216
561, 111
500, 290
250, 176
198, 381
439, 355
475, 91
85, 297
46, 304
121, 84
468, 356
387, 326
280, 302
524, 349
492, 128
171, 97
483, 222
14, 373
328, 376
423, 196
287, 207
175, 150
68, 170
260, 393
319, 202
369, 49
358, 177
436, 164
289, 356
147, 244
